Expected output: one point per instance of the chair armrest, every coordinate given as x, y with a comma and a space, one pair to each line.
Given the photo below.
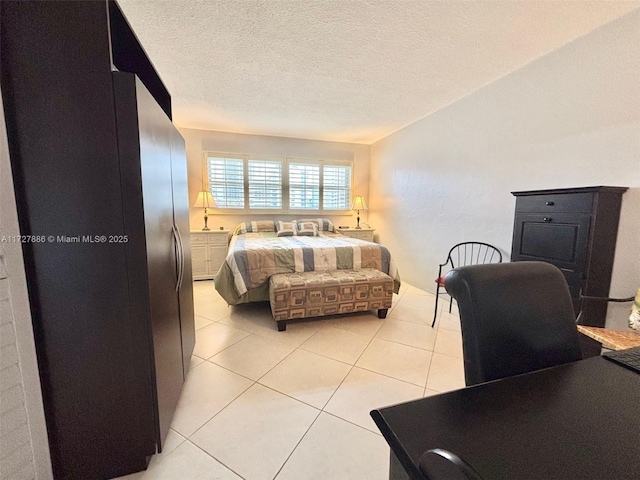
443, 265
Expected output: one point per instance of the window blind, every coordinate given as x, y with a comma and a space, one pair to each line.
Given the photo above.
336, 193
226, 181
265, 184
304, 186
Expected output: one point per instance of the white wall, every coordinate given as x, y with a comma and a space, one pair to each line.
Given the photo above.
568, 119
198, 141
24, 447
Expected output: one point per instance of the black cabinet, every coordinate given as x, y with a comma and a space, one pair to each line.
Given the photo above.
100, 179
575, 229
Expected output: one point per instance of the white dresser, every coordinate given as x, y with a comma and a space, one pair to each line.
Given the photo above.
208, 251
360, 233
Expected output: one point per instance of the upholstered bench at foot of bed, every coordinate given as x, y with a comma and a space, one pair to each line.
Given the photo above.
315, 294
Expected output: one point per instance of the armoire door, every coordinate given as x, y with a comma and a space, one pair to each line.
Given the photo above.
153, 137
181, 222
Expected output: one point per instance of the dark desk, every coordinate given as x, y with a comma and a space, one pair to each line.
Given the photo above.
577, 421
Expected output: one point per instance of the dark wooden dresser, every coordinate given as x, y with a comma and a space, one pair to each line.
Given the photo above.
575, 229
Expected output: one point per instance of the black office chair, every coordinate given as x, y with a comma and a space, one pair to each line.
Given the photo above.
515, 317
439, 464
463, 254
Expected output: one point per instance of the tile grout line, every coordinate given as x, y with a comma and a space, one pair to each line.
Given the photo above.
225, 348
297, 444
301, 347
352, 367
229, 370
407, 345
287, 356
216, 414
394, 378
289, 396
352, 423
217, 460
187, 440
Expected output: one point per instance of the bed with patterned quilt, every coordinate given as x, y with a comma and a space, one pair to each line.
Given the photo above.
261, 249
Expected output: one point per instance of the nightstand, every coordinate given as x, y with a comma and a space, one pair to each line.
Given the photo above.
359, 233
208, 252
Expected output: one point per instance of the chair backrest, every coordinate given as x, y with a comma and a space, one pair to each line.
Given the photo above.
473, 253
515, 318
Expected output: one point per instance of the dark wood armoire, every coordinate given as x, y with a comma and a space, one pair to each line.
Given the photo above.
101, 188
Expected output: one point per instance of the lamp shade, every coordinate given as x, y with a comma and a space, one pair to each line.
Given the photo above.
358, 204
205, 200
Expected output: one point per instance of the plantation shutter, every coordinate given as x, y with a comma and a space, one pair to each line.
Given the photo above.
336, 194
265, 184
304, 186
226, 181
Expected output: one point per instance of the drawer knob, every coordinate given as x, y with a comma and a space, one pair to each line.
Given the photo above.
547, 219
550, 203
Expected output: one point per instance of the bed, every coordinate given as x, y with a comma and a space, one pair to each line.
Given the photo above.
256, 252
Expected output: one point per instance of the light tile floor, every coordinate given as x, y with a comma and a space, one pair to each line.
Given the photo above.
259, 404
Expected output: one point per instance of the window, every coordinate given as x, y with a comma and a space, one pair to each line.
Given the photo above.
226, 181
278, 185
265, 184
337, 187
304, 186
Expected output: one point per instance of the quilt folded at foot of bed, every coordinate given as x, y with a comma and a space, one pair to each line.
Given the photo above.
254, 257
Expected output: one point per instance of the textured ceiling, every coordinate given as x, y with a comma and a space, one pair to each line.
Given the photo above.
344, 70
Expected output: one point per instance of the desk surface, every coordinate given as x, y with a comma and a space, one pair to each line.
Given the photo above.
612, 339
575, 421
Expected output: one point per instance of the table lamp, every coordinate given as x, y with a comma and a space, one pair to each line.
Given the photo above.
357, 205
205, 200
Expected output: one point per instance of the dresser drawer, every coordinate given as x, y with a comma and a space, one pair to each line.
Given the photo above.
218, 238
198, 238
211, 238
360, 234
565, 203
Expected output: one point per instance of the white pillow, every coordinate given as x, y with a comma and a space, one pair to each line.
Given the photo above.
255, 226
286, 229
324, 224
309, 229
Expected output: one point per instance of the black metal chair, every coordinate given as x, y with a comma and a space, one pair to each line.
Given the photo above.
461, 255
439, 464
515, 318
